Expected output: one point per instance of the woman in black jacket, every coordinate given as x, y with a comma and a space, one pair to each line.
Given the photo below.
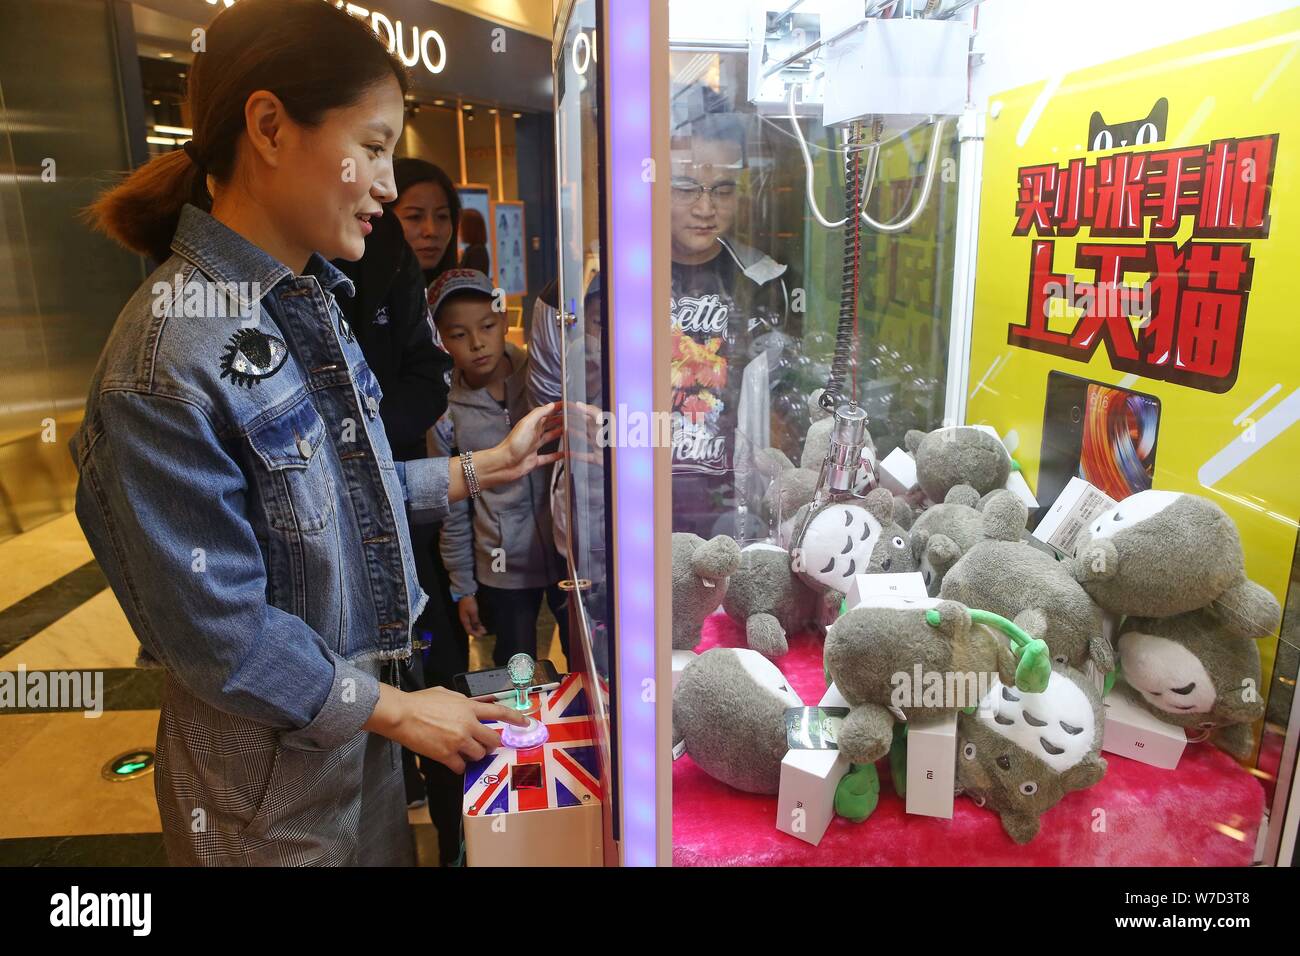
428, 207
410, 245
389, 315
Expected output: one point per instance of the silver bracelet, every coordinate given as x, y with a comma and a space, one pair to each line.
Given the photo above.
471, 476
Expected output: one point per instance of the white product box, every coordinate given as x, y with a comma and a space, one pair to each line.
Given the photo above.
897, 472
1134, 732
806, 801
931, 766
1076, 505
870, 588
680, 660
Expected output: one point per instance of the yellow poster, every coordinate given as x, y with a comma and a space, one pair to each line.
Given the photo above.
1137, 307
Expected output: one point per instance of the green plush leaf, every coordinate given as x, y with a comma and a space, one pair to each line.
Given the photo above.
1108, 683
858, 793
1035, 667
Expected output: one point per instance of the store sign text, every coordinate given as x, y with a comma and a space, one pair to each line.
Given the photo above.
586, 46
394, 34
1192, 304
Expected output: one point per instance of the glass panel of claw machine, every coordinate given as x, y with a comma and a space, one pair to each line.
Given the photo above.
814, 230
822, 265
584, 483
795, 299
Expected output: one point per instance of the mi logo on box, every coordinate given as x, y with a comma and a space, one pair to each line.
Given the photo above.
1134, 732
931, 766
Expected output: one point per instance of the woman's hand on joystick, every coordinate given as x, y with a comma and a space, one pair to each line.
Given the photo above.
441, 724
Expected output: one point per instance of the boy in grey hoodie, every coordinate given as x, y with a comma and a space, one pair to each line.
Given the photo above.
498, 548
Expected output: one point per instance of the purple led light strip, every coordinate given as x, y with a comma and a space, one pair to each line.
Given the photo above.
631, 242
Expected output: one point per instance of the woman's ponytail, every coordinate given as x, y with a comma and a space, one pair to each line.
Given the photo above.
142, 211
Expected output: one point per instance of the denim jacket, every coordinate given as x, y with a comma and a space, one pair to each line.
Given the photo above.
238, 490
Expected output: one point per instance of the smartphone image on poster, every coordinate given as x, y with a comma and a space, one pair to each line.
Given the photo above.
1102, 434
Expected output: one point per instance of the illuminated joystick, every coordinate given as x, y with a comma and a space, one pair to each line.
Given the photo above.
534, 733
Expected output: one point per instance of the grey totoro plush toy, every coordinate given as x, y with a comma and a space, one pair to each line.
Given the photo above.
1016, 580
1161, 553
701, 570
729, 711
770, 600
943, 533
1020, 753
1198, 670
958, 455
850, 537
873, 654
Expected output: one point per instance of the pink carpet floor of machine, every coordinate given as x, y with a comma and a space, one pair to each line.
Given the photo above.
1205, 813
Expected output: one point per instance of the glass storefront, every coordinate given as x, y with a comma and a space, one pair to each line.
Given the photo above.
121, 80
60, 285
779, 338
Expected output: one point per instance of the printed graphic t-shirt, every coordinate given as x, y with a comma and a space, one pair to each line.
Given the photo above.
717, 311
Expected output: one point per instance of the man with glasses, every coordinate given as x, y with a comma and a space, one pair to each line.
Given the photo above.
725, 297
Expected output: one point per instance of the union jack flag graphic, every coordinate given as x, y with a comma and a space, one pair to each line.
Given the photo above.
562, 772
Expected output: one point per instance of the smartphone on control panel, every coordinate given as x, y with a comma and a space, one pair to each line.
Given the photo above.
494, 683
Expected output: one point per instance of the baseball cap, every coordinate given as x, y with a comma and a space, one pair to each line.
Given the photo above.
454, 281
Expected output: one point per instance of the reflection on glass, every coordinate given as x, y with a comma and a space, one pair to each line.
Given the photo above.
1280, 691
756, 289
583, 484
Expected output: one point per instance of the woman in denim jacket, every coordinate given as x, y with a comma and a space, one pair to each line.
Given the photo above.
236, 483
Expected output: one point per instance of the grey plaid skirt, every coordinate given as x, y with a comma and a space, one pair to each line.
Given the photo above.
231, 795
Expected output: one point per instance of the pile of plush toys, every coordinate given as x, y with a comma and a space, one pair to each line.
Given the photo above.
1168, 565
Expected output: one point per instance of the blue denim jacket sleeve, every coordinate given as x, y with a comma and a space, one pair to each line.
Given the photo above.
424, 483
165, 487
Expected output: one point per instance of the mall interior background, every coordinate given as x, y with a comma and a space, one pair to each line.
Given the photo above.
97, 86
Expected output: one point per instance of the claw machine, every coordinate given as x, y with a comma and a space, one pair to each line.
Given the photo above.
961, 310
